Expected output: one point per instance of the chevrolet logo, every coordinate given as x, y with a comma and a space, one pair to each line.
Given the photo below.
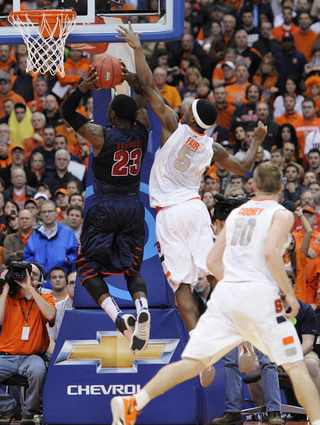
111, 353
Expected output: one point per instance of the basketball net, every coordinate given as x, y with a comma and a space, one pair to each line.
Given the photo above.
45, 36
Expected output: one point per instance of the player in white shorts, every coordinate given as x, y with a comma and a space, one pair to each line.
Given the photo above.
247, 260
183, 223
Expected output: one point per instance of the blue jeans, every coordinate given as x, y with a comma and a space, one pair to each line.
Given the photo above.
233, 380
34, 369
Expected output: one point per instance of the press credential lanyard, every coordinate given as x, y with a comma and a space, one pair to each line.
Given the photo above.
25, 329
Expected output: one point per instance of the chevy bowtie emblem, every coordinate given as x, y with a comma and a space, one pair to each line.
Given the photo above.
110, 352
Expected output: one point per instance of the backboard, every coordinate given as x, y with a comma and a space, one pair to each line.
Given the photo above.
97, 20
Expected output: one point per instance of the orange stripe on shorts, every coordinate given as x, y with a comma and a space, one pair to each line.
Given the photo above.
168, 274
288, 340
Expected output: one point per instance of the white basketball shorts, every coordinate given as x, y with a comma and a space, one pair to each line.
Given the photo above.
244, 311
184, 238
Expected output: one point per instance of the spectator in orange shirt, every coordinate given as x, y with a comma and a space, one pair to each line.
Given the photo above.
305, 37
169, 93
7, 93
225, 111
227, 77
307, 123
313, 90
313, 254
266, 78
75, 68
287, 26
40, 91
7, 61
237, 91
38, 121
229, 23
81, 149
290, 116
219, 76
295, 259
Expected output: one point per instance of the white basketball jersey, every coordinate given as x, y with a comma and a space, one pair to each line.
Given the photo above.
178, 166
247, 229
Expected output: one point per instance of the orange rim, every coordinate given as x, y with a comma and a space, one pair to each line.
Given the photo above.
37, 16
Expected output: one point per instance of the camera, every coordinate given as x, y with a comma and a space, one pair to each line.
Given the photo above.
224, 206
17, 270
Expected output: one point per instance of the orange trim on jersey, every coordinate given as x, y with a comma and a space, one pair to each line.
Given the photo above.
168, 274
88, 277
113, 274
288, 340
200, 134
84, 265
91, 270
261, 200
135, 256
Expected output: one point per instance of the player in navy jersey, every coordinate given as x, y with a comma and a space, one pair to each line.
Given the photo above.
112, 237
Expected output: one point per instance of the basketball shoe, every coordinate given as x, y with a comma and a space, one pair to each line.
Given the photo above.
246, 357
140, 338
125, 323
123, 410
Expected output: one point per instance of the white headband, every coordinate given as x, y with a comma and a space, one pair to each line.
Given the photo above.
196, 115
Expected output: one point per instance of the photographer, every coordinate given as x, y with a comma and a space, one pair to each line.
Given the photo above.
24, 339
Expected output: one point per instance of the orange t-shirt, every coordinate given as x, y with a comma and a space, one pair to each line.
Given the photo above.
20, 200
234, 91
74, 72
304, 41
287, 118
25, 240
69, 133
29, 144
14, 322
279, 31
314, 244
303, 128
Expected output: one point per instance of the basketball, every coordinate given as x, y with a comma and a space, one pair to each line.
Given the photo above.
109, 71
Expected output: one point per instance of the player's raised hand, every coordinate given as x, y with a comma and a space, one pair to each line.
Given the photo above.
90, 80
293, 303
260, 132
129, 36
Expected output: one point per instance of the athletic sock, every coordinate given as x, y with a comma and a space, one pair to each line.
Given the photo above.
141, 303
143, 399
111, 308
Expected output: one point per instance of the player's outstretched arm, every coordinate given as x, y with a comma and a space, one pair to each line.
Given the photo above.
281, 225
92, 132
145, 80
241, 166
214, 259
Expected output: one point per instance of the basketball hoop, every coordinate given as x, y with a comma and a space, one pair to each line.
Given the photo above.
44, 32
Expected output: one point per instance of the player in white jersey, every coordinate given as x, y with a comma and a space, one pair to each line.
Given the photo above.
183, 223
245, 304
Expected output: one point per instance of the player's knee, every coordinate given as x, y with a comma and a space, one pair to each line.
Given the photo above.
96, 287
312, 366
136, 284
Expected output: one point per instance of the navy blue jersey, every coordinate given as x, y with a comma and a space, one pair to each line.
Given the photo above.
117, 168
